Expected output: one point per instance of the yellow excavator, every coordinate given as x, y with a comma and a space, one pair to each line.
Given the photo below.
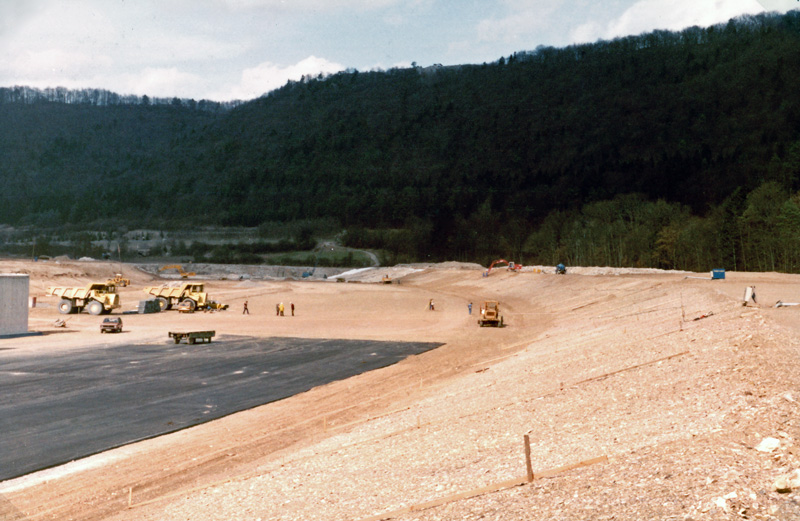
184, 274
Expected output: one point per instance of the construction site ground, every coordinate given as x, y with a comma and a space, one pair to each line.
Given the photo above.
642, 394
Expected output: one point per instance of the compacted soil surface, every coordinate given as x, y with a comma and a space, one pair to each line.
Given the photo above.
608, 394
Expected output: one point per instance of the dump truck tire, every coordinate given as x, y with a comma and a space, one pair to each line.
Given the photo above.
95, 308
65, 307
189, 302
163, 303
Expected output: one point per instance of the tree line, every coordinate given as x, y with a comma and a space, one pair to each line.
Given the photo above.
104, 98
665, 149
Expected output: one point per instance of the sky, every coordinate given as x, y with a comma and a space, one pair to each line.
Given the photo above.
225, 50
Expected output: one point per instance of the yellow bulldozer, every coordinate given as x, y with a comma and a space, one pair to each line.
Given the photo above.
97, 298
490, 314
119, 280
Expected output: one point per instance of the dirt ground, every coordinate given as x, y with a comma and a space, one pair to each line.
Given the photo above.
642, 394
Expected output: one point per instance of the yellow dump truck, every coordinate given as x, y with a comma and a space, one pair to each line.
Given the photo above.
97, 298
191, 293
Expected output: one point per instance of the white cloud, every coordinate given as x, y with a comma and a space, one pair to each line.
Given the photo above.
53, 24
648, 15
40, 65
180, 47
159, 82
779, 5
527, 16
269, 76
13, 13
309, 5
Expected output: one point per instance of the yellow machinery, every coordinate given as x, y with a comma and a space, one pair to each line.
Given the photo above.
184, 274
191, 294
490, 314
185, 306
119, 280
97, 298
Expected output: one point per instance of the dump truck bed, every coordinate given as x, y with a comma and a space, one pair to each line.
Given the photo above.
164, 291
68, 292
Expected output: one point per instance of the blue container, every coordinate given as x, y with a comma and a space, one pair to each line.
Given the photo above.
718, 274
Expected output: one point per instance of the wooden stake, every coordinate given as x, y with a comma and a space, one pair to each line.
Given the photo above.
683, 313
528, 458
130, 497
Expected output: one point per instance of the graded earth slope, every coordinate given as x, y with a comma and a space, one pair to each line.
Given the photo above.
659, 389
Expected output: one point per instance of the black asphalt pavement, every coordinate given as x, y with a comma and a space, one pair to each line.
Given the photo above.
57, 408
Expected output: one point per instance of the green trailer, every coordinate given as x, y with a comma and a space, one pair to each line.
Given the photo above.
192, 337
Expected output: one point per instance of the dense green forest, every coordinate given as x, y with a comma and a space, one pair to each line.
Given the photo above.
668, 149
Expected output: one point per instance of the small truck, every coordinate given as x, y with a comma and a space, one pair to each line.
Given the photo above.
98, 298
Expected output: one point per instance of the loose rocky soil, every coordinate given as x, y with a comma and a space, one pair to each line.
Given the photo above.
644, 394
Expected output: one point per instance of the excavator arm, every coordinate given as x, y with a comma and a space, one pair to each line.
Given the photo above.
184, 274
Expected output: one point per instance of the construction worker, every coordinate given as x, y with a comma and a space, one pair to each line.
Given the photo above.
291, 305
469, 307
280, 309
430, 305
245, 311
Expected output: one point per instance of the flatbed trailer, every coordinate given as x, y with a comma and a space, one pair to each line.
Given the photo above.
191, 336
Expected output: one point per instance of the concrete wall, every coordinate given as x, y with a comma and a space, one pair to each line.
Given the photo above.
14, 304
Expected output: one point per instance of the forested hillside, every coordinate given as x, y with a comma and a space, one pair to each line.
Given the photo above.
666, 149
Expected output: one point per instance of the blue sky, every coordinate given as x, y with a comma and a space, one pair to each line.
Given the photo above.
240, 49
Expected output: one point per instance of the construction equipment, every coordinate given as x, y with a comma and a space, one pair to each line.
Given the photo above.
192, 336
561, 269
490, 314
191, 294
184, 274
307, 274
386, 279
512, 266
119, 280
97, 298
187, 306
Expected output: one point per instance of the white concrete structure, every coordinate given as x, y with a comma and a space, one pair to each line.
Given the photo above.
14, 290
